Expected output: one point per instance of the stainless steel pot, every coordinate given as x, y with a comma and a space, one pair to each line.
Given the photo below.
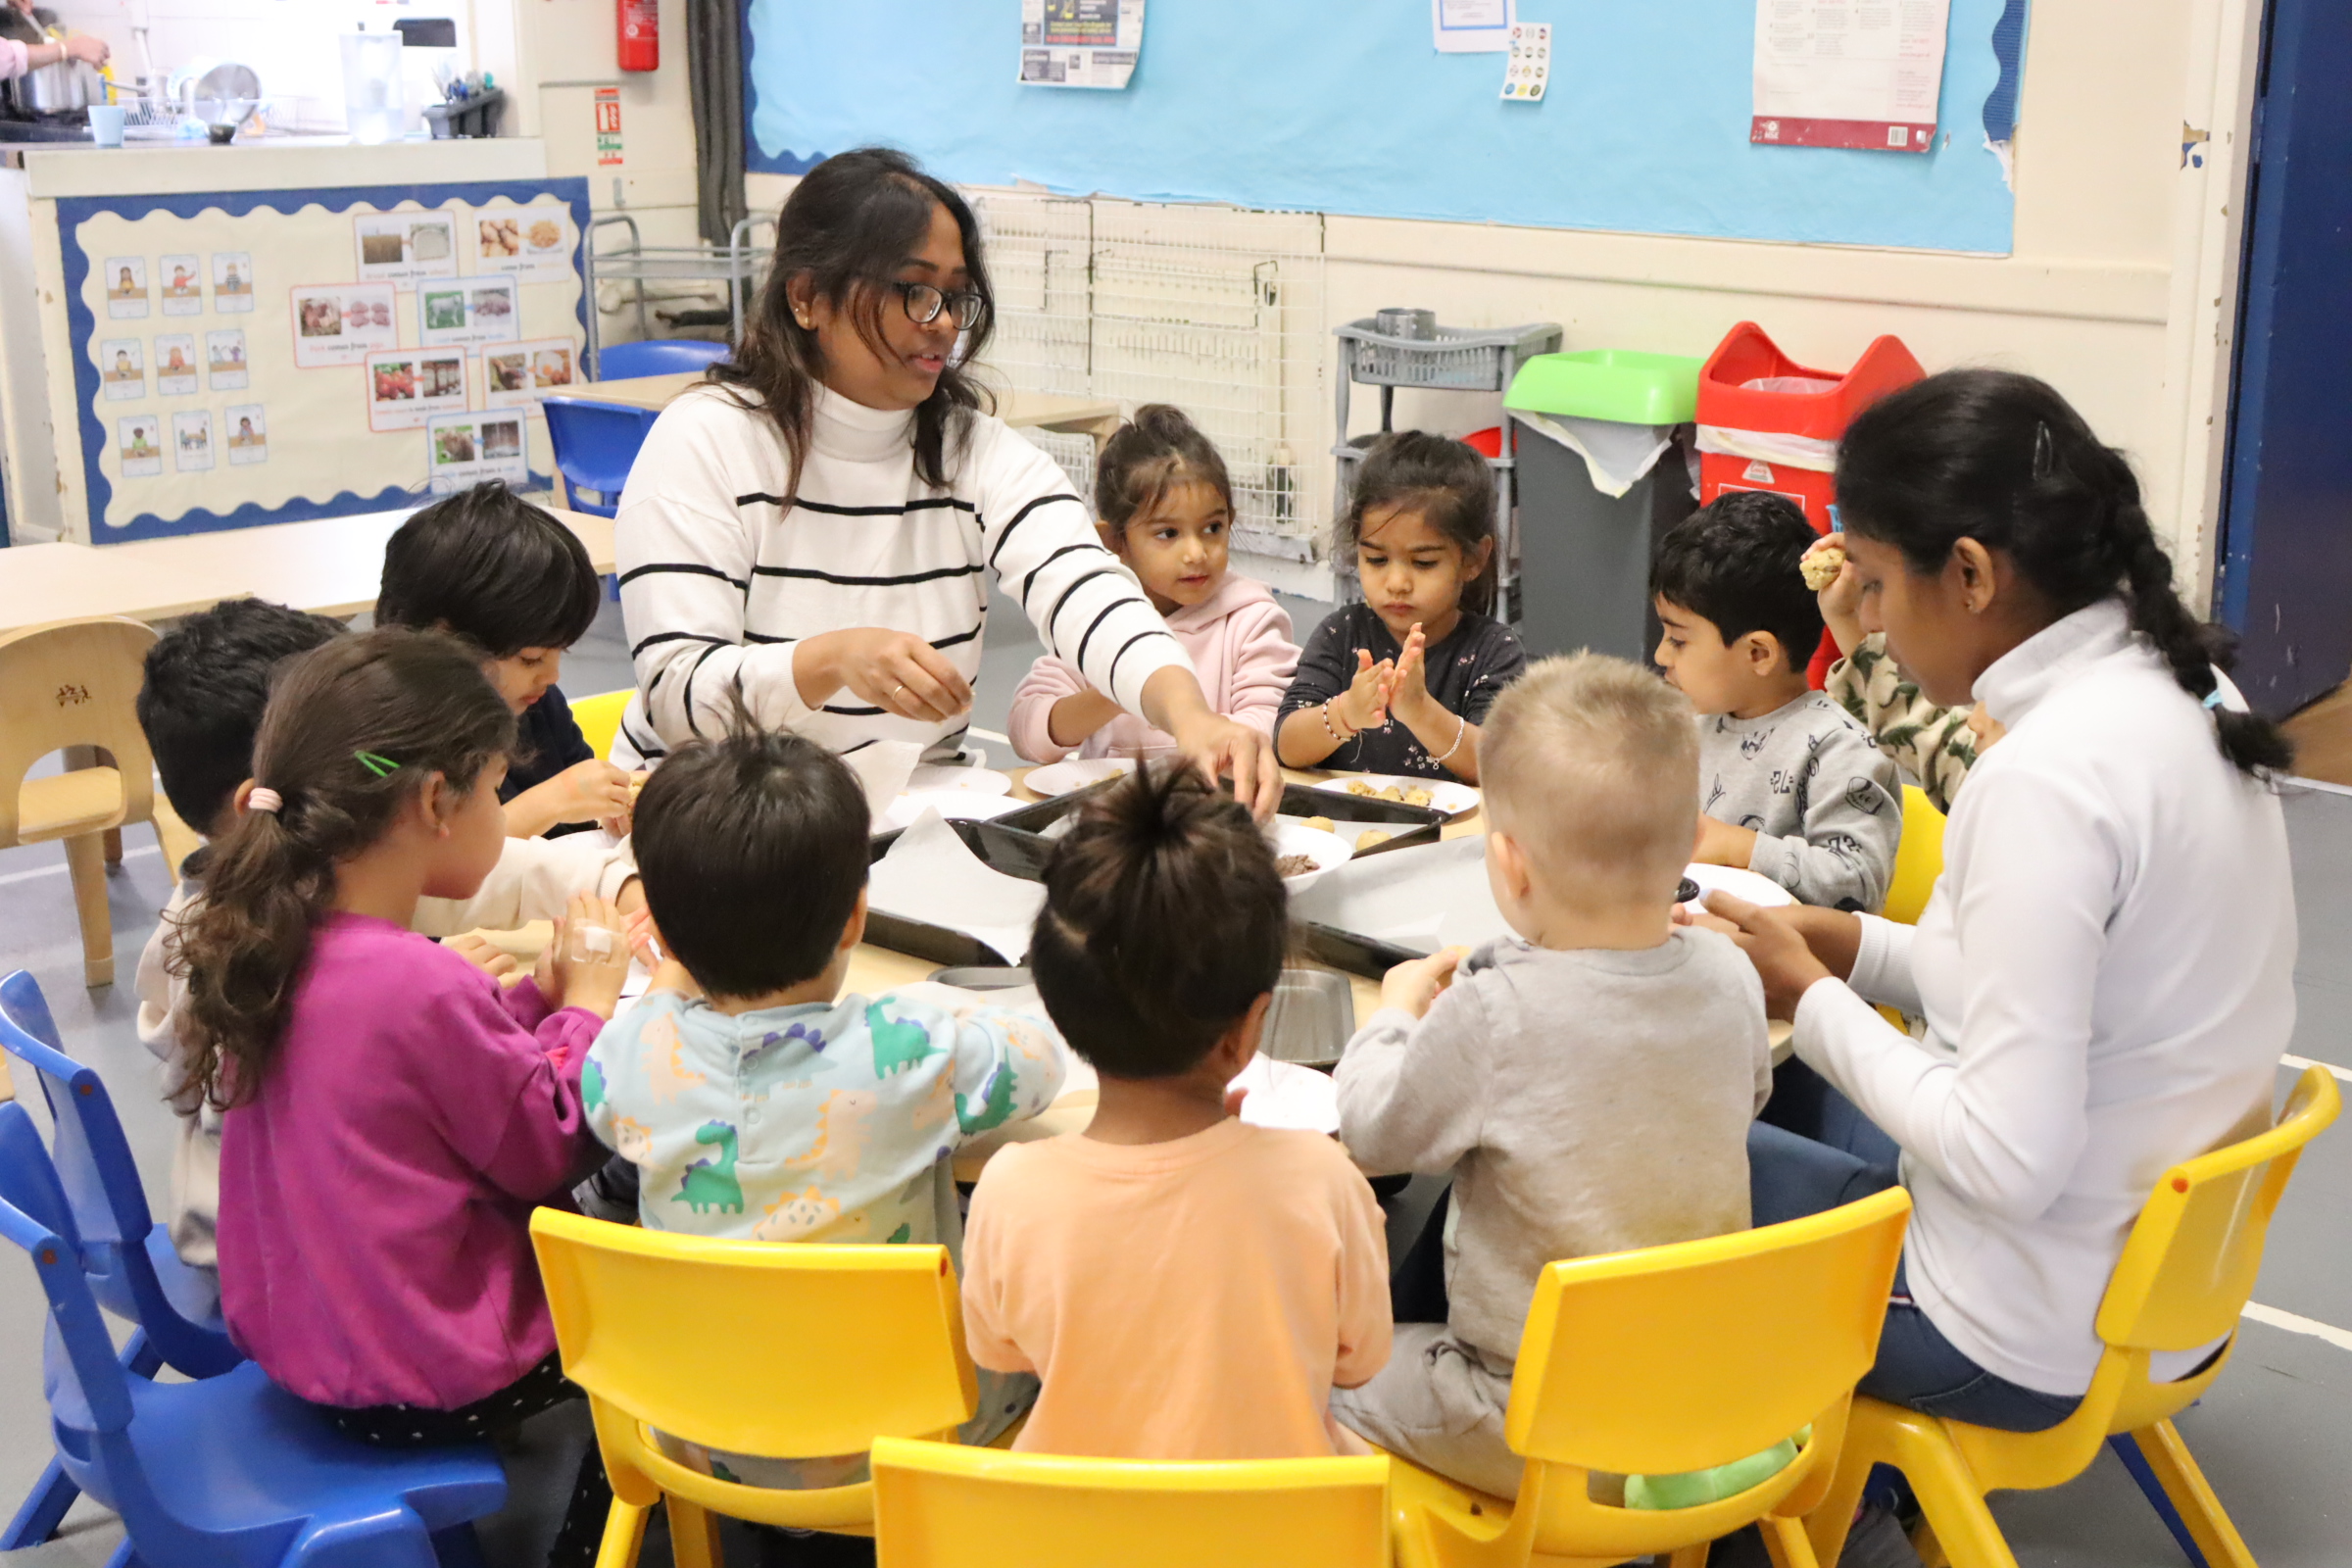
61, 88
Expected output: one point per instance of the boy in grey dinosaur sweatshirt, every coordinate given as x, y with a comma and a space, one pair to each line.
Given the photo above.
1790, 785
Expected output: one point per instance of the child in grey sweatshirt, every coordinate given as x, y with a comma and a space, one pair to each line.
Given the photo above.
1589, 1084
1790, 785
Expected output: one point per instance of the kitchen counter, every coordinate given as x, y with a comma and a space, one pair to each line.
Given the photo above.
52, 170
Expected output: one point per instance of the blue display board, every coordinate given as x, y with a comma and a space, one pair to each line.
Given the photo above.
1347, 107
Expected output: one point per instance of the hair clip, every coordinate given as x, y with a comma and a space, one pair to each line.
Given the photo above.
2041, 450
260, 799
381, 766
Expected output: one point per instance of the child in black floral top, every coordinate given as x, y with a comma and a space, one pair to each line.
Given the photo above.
1400, 683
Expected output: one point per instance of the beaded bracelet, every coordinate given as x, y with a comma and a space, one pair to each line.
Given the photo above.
1333, 730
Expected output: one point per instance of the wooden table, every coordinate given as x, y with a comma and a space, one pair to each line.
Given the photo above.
330, 566
1041, 411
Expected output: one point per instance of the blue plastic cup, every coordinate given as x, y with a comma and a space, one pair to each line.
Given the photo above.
106, 125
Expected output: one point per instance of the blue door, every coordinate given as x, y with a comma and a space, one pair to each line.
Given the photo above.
2284, 582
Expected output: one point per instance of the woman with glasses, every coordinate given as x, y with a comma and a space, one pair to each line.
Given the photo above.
811, 533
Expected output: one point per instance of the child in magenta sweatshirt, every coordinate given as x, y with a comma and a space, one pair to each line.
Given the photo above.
391, 1115
1166, 507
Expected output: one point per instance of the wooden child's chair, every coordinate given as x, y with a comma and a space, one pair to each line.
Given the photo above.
74, 683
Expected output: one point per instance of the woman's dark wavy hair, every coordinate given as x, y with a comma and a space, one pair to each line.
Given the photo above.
846, 228
2002, 458
415, 698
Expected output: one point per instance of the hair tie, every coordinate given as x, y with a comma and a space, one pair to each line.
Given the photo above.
269, 801
2213, 698
375, 762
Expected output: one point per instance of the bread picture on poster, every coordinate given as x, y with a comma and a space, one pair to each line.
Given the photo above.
248, 433
124, 278
123, 368
139, 446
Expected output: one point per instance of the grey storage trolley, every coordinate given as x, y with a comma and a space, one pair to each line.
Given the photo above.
740, 264
1408, 349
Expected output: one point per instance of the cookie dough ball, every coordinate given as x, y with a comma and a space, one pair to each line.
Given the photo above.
1371, 837
1321, 824
1822, 566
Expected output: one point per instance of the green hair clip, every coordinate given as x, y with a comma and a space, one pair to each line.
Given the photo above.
374, 762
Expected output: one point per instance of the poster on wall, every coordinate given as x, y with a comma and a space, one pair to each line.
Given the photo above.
183, 284
126, 286
1080, 43
233, 281
139, 442
192, 441
1830, 73
519, 376
341, 323
472, 310
176, 365
224, 359
526, 242
404, 247
248, 433
1472, 27
408, 386
465, 449
123, 368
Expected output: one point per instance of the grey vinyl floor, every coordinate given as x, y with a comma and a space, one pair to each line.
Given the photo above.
2274, 1435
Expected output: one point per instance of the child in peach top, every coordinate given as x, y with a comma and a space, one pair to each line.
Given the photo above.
1187, 1286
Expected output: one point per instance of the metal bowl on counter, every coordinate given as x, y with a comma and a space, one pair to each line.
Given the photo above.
221, 99
61, 88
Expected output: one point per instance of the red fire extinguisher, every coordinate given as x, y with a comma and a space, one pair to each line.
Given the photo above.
640, 35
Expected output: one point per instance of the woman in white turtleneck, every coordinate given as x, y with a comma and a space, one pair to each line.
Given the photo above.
812, 535
2105, 966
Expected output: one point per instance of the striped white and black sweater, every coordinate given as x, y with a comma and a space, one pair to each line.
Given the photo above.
721, 573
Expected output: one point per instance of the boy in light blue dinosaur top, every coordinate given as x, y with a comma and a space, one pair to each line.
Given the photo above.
754, 1099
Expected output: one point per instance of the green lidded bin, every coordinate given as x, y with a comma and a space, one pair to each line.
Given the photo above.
1593, 422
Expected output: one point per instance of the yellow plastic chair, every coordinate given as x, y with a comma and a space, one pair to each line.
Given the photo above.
937, 1505
2185, 1275
1918, 860
753, 1347
75, 684
1671, 1359
599, 717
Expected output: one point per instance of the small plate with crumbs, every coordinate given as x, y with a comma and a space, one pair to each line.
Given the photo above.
1454, 800
1304, 853
1076, 774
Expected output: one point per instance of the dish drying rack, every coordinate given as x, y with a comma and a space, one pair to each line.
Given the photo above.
738, 265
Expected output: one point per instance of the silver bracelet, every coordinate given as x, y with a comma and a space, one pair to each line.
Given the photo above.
1461, 727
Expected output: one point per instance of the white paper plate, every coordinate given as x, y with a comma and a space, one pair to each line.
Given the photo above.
1328, 850
942, 776
950, 804
1351, 832
1740, 884
1454, 800
1059, 778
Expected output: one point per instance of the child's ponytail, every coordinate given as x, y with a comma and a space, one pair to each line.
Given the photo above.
1159, 448
353, 729
2003, 460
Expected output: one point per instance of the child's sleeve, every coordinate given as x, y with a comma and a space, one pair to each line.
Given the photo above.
1932, 744
1264, 662
1412, 1094
1047, 682
985, 1334
1852, 808
534, 879
560, 743
507, 1098
1365, 1326
1326, 667
1008, 1067
1502, 659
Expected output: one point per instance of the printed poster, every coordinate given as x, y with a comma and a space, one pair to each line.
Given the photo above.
123, 368
1472, 27
1830, 73
126, 278
341, 323
233, 281
248, 434
1528, 71
408, 386
224, 359
176, 365
520, 374
140, 444
468, 312
404, 247
192, 441
183, 284
1080, 43
462, 450
528, 242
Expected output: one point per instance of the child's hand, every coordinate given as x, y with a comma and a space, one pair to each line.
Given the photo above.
1721, 844
619, 826
590, 792
1414, 985
590, 956
1840, 600
483, 954
1408, 689
1365, 704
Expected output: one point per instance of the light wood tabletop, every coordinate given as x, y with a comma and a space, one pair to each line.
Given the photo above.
1044, 410
330, 566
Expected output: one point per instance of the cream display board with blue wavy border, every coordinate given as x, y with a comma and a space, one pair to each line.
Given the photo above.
263, 357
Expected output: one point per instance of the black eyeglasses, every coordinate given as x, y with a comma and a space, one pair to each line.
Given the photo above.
924, 302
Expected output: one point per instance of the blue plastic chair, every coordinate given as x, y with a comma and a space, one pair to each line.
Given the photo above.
655, 356
230, 1472
175, 1307
595, 445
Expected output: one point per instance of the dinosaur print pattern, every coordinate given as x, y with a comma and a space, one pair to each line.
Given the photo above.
796, 1216
666, 1066
898, 1046
710, 1183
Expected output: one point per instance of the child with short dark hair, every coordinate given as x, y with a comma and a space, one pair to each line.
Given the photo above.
501, 574
1400, 682
755, 1100
1792, 786
1188, 1286
1166, 510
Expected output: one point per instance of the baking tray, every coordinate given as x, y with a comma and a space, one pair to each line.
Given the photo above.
1310, 1021
1415, 824
1009, 851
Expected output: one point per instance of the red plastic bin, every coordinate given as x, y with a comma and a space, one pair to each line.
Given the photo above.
1786, 441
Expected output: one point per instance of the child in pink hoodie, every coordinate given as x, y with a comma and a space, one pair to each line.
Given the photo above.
1167, 509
